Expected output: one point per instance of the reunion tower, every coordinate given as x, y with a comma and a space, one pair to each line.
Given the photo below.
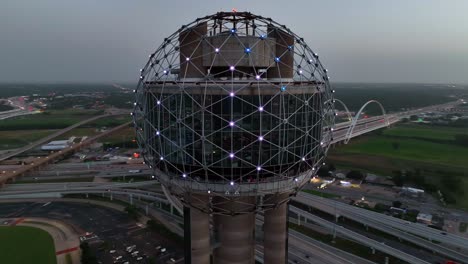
234, 114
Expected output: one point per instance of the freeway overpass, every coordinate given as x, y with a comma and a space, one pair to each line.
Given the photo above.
413, 233
48, 138
43, 161
301, 248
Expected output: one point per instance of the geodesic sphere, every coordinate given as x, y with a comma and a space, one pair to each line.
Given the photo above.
234, 98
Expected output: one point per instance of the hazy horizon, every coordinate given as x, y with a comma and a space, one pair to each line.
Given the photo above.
52, 41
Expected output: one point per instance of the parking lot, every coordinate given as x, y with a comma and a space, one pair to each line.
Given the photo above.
110, 232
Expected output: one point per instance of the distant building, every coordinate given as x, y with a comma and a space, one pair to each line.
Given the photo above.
56, 145
412, 192
395, 211
424, 218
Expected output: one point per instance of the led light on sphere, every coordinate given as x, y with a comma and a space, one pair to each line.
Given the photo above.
233, 133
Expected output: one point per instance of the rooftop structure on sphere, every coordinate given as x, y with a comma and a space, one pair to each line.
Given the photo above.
234, 114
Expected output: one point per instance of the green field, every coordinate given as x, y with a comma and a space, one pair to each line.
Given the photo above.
429, 157
47, 120
425, 132
19, 138
412, 150
22, 244
109, 122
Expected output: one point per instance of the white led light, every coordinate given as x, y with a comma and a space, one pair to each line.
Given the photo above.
187, 59
232, 68
231, 123
217, 50
231, 94
158, 102
161, 158
184, 175
260, 109
231, 155
303, 158
260, 138
259, 168
257, 77
232, 183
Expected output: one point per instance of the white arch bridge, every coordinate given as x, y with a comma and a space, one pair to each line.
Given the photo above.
356, 126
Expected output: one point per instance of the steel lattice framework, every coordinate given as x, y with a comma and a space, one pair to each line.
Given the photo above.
233, 104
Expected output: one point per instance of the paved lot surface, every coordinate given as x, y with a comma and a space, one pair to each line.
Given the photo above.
108, 230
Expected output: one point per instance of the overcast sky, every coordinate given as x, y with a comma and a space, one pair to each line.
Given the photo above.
358, 41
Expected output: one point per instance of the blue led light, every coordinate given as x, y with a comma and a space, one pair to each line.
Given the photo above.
277, 59
283, 88
247, 50
290, 47
263, 36
233, 30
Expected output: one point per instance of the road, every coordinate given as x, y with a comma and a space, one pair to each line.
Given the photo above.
415, 233
300, 246
19, 190
366, 125
359, 238
48, 138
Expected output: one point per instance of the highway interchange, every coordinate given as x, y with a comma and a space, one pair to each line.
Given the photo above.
301, 246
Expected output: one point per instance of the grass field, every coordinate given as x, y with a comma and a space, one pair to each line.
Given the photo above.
411, 149
110, 121
430, 151
425, 132
22, 244
79, 132
48, 120
125, 134
19, 138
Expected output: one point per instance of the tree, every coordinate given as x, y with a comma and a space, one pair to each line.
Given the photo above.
323, 172
398, 178
132, 212
396, 204
87, 256
395, 145
413, 117
355, 174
